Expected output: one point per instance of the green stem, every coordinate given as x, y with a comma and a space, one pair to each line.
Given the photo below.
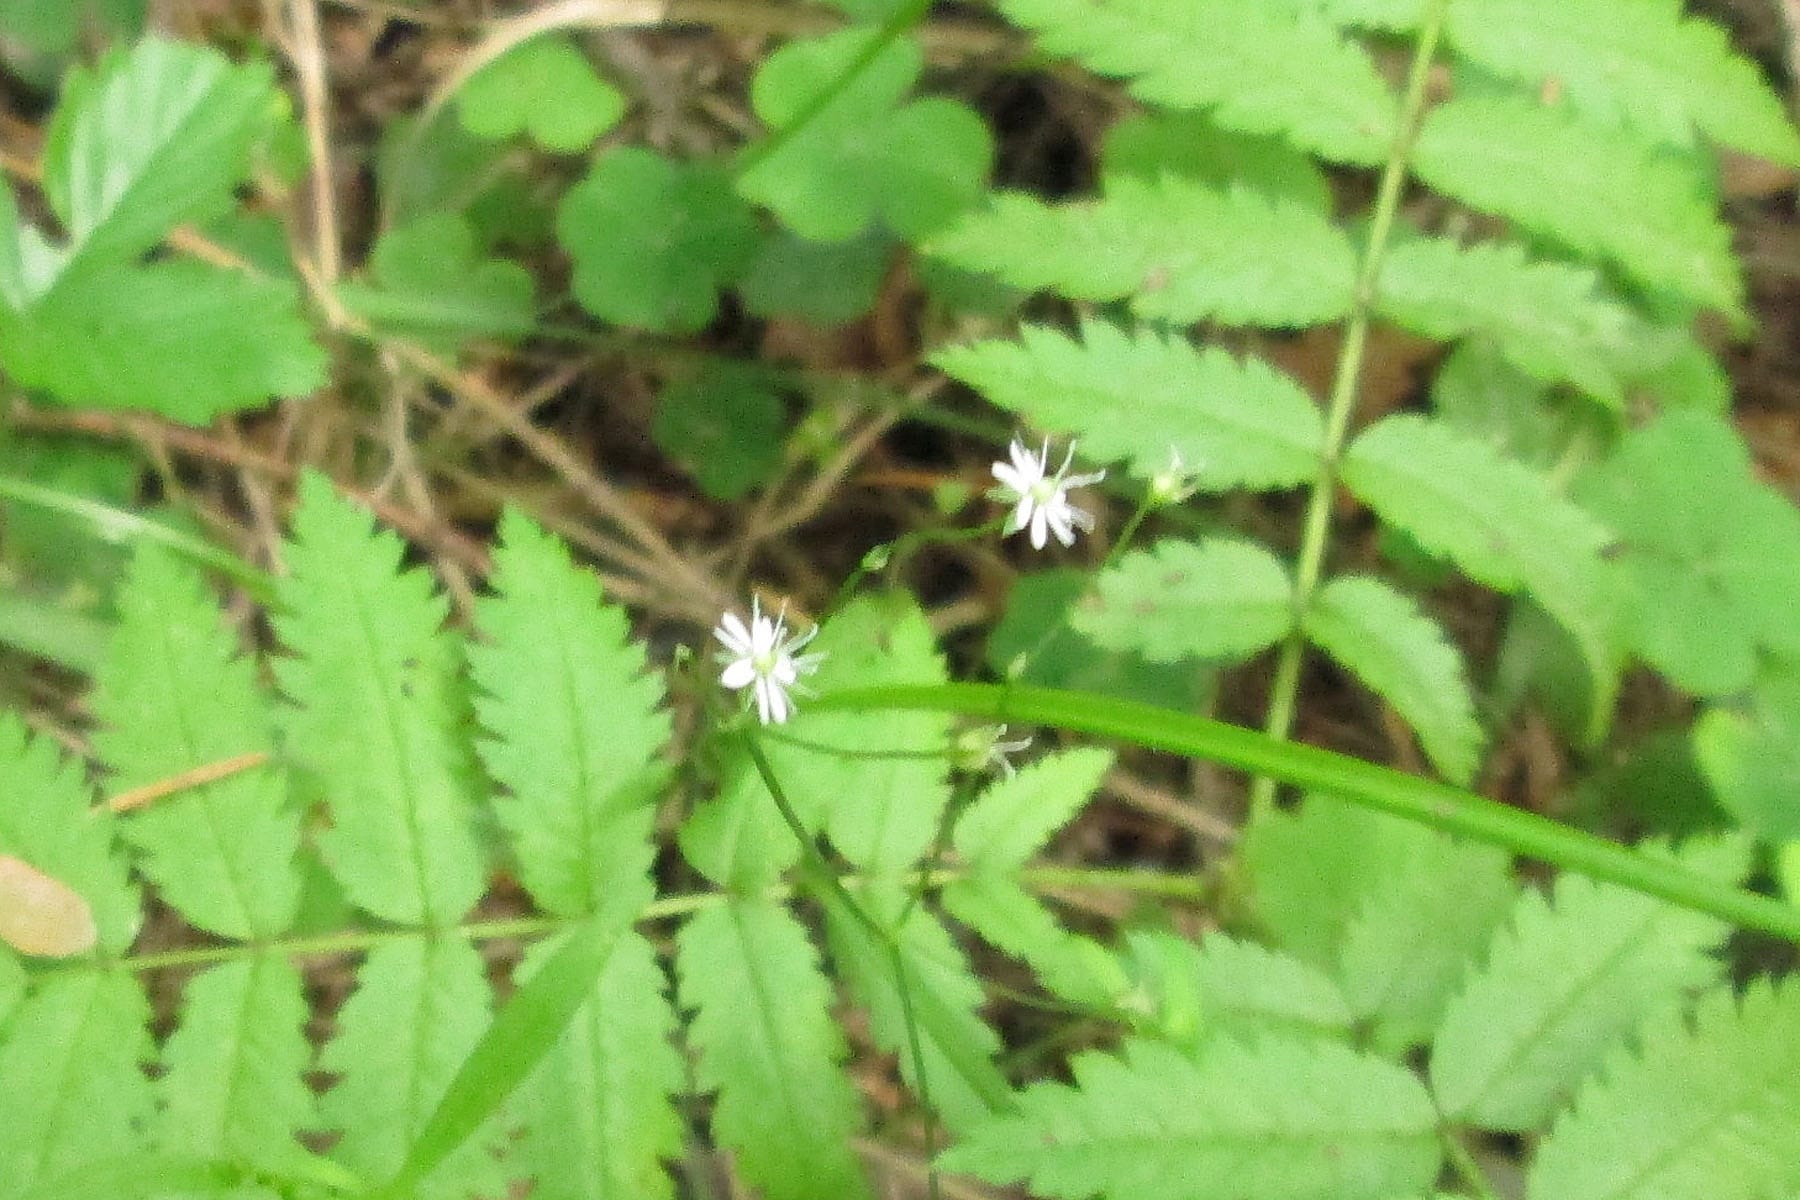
1465, 1166
1316, 533
1426, 801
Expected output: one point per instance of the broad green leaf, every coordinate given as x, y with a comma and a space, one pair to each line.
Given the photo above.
378, 719
1500, 522
1149, 145
1141, 396
232, 1084
429, 283
1566, 982
1069, 965
72, 1084
12, 984
420, 1007
1219, 598
545, 88
1709, 1109
1384, 639
180, 338
821, 283
1641, 66
767, 1044
1278, 1119
1253, 68
574, 725
653, 241
1179, 250
47, 820
1711, 553
1013, 817
1750, 754
1548, 318
1558, 177
146, 1176
865, 156
599, 1122
175, 694
1248, 990
944, 1001
726, 425
155, 135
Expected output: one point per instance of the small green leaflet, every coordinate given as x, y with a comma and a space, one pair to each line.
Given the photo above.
1711, 553
1247, 990
1253, 68
1139, 396
1013, 817
1393, 647
1749, 752
427, 282
1149, 145
654, 240
1179, 250
1280, 1119
866, 157
1560, 178
545, 88
1220, 598
1708, 1109
1070, 965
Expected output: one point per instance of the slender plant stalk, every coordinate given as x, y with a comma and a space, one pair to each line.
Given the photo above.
1316, 534
1352, 780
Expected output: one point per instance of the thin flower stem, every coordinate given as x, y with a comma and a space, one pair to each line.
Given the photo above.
1316, 535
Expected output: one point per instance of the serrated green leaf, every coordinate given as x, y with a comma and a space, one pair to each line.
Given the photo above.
767, 1044
726, 425
1279, 1120
155, 135
546, 88
1384, 639
180, 338
420, 1007
654, 240
1707, 1110
1750, 755
175, 694
1711, 553
1549, 319
1564, 984
1482, 395
1180, 251
47, 820
1252, 67
232, 1084
1248, 990
1071, 966
1013, 817
72, 1085
865, 156
1500, 522
378, 718
1149, 145
599, 1123
574, 724
1640, 66
1140, 396
1218, 598
430, 284
944, 1003
1556, 176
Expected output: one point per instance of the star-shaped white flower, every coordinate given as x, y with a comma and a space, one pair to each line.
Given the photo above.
1040, 499
764, 657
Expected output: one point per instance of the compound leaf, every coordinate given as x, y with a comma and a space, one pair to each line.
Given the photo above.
1566, 981
1150, 145
1141, 395
173, 693
1383, 638
574, 723
768, 1045
1070, 965
378, 718
1218, 598
1013, 817
1281, 1120
1247, 990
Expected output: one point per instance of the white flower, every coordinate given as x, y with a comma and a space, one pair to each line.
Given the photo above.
1039, 499
764, 656
1176, 483
986, 746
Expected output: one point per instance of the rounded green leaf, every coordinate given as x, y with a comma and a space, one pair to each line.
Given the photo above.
545, 88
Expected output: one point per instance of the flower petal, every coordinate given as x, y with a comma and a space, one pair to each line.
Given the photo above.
738, 674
